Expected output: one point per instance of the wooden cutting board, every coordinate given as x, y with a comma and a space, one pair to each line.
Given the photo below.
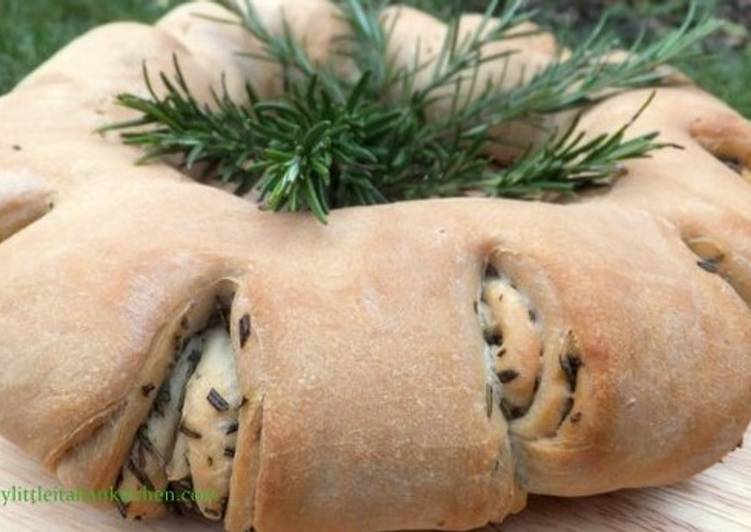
718, 500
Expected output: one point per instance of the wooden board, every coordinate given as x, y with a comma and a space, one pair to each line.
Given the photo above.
718, 500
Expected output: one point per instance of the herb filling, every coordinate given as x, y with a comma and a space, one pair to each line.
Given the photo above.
188, 441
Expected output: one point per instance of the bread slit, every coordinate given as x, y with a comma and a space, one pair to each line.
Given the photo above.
154, 443
208, 432
512, 332
189, 437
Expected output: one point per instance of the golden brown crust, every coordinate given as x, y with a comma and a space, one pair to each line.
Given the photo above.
371, 403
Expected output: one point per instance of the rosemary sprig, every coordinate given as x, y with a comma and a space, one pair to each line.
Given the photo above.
304, 152
319, 153
562, 167
330, 141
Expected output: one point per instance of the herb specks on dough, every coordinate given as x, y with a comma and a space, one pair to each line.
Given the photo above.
570, 364
567, 407
140, 474
493, 337
244, 327
163, 397
190, 433
217, 401
144, 440
141, 456
489, 399
122, 507
194, 357
734, 164
708, 265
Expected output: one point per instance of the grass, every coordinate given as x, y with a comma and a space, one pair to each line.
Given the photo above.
723, 64
32, 30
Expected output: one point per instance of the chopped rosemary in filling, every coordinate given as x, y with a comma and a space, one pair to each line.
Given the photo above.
513, 342
189, 437
206, 442
153, 445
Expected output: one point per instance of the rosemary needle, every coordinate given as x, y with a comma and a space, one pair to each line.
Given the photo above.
328, 142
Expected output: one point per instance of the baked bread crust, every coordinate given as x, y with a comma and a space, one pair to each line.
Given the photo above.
366, 371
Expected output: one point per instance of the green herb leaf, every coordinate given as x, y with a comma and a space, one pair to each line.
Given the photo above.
330, 142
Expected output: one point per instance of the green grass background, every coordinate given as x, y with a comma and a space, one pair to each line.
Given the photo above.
32, 30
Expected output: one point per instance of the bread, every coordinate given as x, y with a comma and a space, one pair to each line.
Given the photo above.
381, 382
